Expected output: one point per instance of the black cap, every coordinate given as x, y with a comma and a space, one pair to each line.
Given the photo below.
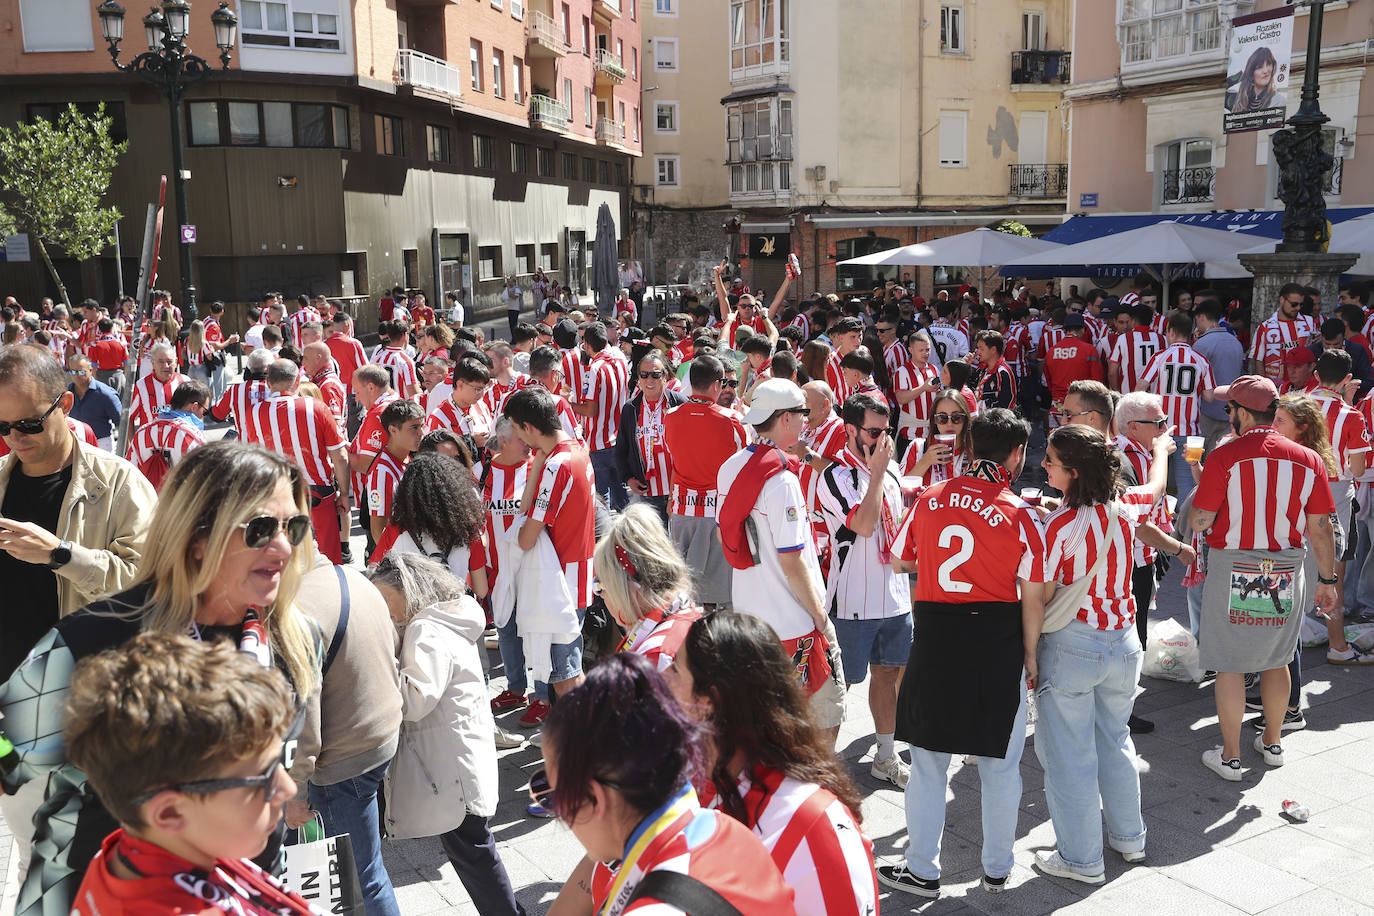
1074, 320
846, 325
565, 334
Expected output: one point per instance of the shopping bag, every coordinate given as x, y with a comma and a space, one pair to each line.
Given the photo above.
322, 870
1171, 653
1360, 635
1313, 632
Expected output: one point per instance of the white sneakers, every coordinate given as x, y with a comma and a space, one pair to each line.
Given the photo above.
893, 770
1228, 770
1273, 753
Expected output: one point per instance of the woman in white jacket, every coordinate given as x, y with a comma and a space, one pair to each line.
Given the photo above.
442, 781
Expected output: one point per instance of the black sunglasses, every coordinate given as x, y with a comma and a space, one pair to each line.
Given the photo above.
873, 431
29, 427
286, 760
541, 793
730, 382
657, 373
258, 532
956, 418
1158, 424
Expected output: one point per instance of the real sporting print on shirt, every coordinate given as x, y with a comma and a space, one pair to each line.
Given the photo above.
1261, 593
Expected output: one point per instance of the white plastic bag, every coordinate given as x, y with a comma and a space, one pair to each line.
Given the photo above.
1360, 635
1313, 632
1171, 653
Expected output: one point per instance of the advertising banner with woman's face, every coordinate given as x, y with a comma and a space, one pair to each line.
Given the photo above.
1257, 77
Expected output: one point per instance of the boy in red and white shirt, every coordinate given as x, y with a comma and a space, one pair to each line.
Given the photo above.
393, 357
914, 385
1182, 377
404, 422
1133, 351
158, 446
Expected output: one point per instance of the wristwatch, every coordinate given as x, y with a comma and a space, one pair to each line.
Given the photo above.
61, 555
1325, 581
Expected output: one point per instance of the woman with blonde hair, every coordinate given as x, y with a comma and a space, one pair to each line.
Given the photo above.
196, 352
233, 541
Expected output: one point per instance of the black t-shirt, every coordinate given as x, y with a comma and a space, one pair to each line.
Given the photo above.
30, 588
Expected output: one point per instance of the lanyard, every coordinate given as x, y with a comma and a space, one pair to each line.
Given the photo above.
648, 830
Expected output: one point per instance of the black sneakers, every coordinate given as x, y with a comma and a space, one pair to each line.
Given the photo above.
899, 878
1293, 720
994, 885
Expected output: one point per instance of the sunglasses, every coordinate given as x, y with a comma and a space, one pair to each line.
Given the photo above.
955, 418
657, 373
266, 782
799, 411
30, 427
873, 432
1068, 417
884, 330
730, 382
258, 532
1157, 424
541, 793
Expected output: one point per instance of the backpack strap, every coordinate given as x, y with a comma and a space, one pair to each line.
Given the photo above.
684, 892
342, 627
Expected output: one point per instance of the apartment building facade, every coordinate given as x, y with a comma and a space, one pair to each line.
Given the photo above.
1146, 109
849, 128
356, 146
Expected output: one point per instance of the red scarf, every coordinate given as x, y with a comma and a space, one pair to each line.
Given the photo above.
765, 463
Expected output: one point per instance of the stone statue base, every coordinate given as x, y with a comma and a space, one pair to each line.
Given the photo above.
1272, 271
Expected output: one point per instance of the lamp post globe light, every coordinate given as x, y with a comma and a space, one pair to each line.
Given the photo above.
170, 66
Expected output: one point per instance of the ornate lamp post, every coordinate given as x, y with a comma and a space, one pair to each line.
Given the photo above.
1303, 162
170, 66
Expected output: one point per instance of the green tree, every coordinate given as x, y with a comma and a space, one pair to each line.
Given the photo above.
1012, 227
52, 180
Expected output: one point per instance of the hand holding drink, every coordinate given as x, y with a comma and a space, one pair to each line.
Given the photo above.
1032, 495
944, 444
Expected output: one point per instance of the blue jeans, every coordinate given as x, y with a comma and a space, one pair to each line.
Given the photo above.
1183, 475
608, 482
351, 807
513, 658
1359, 574
925, 804
1085, 695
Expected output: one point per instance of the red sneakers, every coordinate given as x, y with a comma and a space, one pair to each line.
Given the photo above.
535, 715
507, 699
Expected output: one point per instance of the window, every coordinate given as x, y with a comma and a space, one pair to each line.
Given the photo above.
276, 124
1032, 30
665, 54
489, 262
517, 81
524, 259
620, 50
440, 145
1160, 29
665, 7
758, 129
636, 120
519, 158
952, 28
278, 23
497, 3
620, 174
849, 277
567, 25
483, 152
498, 76
543, 158
758, 34
586, 36
567, 98
570, 166
603, 172
390, 135
953, 139
517, 9
587, 106
588, 169
548, 256
666, 171
57, 25
51, 111
475, 62
634, 59
1187, 175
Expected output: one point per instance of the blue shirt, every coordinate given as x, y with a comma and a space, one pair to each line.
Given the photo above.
1227, 358
99, 409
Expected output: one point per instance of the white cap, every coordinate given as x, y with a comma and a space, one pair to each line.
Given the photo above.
770, 397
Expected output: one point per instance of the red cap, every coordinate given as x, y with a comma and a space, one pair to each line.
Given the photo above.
1251, 392
1299, 356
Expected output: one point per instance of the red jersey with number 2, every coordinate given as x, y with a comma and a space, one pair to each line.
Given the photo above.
971, 539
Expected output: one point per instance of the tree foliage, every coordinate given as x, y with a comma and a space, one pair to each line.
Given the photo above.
53, 178
1013, 227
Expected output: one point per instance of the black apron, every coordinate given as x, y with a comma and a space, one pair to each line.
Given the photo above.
963, 684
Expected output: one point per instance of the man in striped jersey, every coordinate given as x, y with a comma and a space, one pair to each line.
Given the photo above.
546, 369
392, 356
642, 457
404, 422
244, 393
1133, 351
503, 480
1183, 378
1282, 331
845, 337
504, 379
1261, 500
318, 366
305, 312
464, 412
307, 434
914, 386
157, 446
348, 355
605, 389
154, 391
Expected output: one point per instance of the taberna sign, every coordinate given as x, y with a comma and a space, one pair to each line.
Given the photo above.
770, 245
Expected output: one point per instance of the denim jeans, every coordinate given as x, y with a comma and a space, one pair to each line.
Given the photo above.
472, 850
351, 807
608, 482
1086, 691
513, 660
925, 804
1359, 573
1183, 475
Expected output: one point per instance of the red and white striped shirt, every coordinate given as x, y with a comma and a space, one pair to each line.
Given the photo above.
300, 428
382, 480
574, 373
564, 502
399, 366
494, 398
834, 377
1097, 328
197, 357
896, 355
914, 415
237, 399
1345, 426
151, 395
165, 436
1179, 374
213, 331
1275, 337
1132, 352
449, 415
606, 383
827, 440
1262, 487
502, 487
1075, 538
334, 394
700, 435
653, 446
801, 321
1141, 460
659, 634
299, 317
1018, 349
88, 333
371, 438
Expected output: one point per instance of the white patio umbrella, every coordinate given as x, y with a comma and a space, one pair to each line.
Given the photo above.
982, 248
1353, 236
1163, 250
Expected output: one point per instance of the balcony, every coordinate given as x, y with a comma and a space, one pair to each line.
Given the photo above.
545, 36
1030, 68
548, 113
761, 184
1188, 186
610, 133
608, 10
428, 75
609, 69
1047, 181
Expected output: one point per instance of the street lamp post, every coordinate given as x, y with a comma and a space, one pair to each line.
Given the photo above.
170, 66
1303, 162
